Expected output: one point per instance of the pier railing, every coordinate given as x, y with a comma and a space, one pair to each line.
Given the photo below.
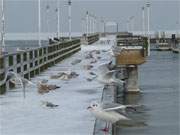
33, 61
90, 39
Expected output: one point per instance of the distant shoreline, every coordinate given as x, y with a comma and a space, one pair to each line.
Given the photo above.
34, 36
44, 36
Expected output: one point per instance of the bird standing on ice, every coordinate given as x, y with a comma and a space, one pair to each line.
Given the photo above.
108, 115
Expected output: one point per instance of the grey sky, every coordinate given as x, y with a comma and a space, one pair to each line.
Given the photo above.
21, 15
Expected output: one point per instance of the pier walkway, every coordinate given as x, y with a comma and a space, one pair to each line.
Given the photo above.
19, 116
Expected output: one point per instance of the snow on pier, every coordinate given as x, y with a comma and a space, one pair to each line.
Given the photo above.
28, 116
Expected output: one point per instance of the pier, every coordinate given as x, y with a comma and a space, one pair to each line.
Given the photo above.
108, 76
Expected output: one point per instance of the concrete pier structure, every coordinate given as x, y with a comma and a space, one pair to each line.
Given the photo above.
132, 79
132, 51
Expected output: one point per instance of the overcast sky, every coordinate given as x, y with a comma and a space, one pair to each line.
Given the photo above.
22, 15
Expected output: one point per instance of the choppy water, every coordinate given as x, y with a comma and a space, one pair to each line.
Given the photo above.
159, 83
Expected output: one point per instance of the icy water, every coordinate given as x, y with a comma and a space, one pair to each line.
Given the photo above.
159, 83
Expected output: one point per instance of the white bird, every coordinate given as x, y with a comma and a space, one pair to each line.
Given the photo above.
66, 75
115, 50
109, 78
109, 115
17, 80
105, 67
122, 108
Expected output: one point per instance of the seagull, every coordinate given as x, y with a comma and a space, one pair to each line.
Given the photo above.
109, 115
44, 80
76, 61
42, 88
45, 88
92, 73
89, 56
49, 104
18, 80
88, 67
65, 75
74, 74
103, 68
61, 76
93, 61
115, 50
122, 108
91, 79
95, 51
106, 67
109, 78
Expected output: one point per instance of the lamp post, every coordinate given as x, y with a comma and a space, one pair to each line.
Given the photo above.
117, 27
3, 27
148, 29
58, 19
47, 18
69, 18
132, 23
90, 24
87, 23
39, 23
94, 23
143, 21
97, 24
127, 25
83, 25
104, 24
